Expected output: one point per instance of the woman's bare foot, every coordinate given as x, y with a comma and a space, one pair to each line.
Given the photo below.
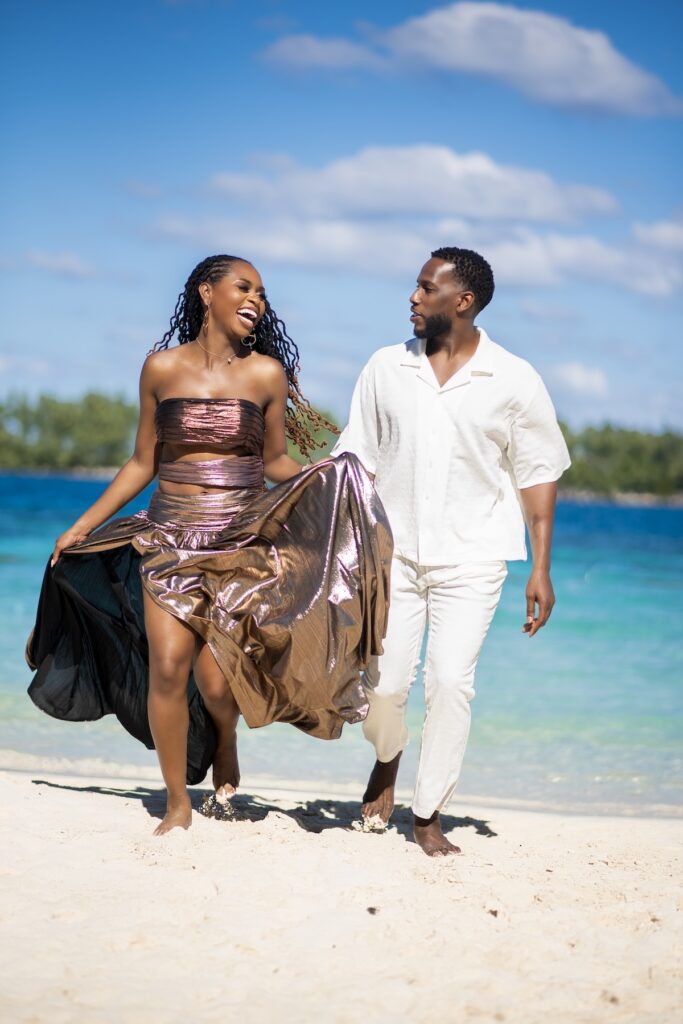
428, 835
378, 799
226, 769
178, 815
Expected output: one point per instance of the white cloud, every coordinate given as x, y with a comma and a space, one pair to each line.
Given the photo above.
519, 256
580, 380
528, 257
542, 55
663, 234
421, 180
335, 54
340, 245
63, 264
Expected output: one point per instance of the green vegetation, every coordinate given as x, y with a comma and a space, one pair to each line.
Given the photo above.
50, 433
611, 460
98, 430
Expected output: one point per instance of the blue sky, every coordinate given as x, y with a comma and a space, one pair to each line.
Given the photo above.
335, 145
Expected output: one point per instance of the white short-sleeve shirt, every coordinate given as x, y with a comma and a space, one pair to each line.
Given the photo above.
448, 461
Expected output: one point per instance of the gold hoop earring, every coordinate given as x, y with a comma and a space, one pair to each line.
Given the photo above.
205, 322
249, 341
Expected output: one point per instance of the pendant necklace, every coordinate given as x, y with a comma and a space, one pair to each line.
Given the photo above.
223, 362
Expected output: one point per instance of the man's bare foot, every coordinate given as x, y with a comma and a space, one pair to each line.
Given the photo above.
178, 815
428, 835
226, 769
378, 798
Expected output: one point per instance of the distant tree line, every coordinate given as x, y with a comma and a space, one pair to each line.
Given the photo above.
52, 433
611, 460
98, 430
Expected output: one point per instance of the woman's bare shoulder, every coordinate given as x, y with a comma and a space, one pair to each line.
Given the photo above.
267, 367
164, 357
158, 365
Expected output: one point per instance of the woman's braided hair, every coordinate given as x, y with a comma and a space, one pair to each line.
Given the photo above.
302, 421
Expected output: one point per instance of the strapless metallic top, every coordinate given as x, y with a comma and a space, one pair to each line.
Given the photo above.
231, 424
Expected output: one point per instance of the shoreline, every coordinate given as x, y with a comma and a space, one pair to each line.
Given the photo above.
569, 496
623, 499
253, 783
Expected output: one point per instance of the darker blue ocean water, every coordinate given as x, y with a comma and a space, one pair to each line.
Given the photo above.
588, 714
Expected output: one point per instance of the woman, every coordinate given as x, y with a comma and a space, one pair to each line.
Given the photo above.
223, 597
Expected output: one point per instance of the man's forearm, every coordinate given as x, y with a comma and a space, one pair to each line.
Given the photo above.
538, 504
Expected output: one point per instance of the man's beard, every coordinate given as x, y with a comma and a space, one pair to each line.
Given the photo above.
433, 326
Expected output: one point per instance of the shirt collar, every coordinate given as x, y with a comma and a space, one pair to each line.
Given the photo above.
480, 365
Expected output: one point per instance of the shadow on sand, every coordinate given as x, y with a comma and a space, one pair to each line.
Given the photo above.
310, 815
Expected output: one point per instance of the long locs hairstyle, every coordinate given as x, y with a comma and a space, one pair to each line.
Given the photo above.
302, 421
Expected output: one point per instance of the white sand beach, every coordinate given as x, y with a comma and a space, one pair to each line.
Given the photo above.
288, 914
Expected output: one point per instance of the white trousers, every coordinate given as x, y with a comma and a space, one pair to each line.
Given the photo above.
457, 602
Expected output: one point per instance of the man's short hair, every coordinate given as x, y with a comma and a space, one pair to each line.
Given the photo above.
471, 270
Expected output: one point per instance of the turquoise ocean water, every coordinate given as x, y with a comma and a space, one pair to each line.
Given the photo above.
587, 715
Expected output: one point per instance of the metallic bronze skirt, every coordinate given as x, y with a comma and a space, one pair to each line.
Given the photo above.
288, 587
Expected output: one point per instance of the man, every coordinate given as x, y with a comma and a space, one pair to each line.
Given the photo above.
463, 443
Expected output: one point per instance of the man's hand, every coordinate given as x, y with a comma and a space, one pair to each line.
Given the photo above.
539, 593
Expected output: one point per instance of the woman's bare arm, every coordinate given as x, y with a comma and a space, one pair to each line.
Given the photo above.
134, 475
278, 465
